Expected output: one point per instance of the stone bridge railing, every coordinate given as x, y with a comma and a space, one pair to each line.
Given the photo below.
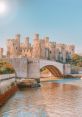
7, 76
6, 82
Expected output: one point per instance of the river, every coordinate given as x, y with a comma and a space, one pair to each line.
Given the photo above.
53, 99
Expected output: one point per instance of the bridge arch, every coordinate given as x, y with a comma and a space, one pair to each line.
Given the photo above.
54, 70
54, 67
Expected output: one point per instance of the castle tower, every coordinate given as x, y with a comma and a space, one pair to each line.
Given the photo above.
42, 47
13, 46
17, 37
17, 49
46, 39
1, 52
36, 36
36, 47
26, 42
70, 51
52, 51
61, 52
46, 42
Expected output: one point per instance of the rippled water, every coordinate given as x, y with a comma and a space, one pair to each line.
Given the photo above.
60, 99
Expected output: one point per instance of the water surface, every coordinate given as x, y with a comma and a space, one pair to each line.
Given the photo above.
53, 99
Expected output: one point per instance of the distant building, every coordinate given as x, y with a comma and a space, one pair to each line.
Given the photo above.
1, 52
41, 48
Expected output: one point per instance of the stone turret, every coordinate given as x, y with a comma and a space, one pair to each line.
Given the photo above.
1, 52
42, 49
18, 39
17, 36
26, 42
71, 48
36, 36
52, 51
46, 42
70, 51
13, 46
36, 47
47, 39
17, 44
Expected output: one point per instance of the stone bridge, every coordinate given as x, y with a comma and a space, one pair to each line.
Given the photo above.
30, 68
36, 65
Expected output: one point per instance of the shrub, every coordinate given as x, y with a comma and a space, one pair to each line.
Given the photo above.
6, 68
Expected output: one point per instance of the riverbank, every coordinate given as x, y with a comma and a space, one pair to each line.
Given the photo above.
5, 96
7, 87
49, 78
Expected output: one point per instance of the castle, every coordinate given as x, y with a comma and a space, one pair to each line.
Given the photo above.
41, 48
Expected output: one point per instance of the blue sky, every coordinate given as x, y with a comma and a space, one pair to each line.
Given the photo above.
61, 20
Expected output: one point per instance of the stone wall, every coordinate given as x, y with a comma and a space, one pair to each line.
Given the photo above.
20, 65
7, 87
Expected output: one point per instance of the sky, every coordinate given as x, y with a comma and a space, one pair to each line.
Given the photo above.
61, 20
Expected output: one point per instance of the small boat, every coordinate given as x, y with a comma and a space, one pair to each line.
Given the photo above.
30, 83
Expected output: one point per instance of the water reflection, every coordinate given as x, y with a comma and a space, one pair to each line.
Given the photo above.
50, 100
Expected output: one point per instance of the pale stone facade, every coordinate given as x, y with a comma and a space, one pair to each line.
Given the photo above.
1, 52
41, 48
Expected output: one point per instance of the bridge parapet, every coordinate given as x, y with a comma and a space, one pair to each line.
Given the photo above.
30, 68
20, 65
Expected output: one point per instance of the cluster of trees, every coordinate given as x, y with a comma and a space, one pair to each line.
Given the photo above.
6, 68
76, 60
